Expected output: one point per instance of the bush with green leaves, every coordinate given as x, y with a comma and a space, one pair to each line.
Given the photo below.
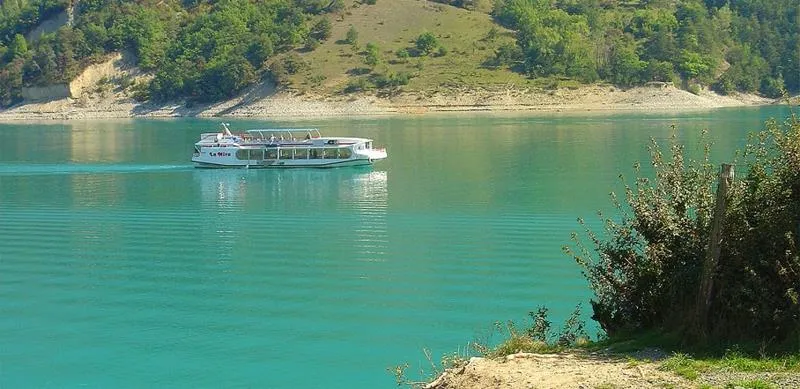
359, 84
403, 54
645, 268
372, 55
392, 80
426, 43
321, 29
538, 337
352, 36
759, 272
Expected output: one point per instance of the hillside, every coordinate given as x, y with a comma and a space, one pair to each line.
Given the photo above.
395, 25
301, 57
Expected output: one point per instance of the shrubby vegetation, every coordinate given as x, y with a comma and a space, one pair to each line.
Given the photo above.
202, 50
747, 46
207, 50
645, 270
468, 4
20, 16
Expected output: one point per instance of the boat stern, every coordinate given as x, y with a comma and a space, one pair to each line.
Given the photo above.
374, 155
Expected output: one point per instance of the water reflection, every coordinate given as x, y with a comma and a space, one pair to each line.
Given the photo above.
282, 189
370, 193
107, 143
278, 208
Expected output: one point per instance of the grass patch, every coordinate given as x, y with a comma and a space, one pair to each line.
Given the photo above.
684, 366
691, 368
739, 362
753, 384
394, 26
692, 361
518, 343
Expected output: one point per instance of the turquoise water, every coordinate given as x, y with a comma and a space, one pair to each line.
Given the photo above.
123, 266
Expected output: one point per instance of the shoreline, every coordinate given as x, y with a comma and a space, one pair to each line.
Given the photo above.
263, 102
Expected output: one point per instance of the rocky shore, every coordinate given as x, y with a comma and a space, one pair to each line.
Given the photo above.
265, 102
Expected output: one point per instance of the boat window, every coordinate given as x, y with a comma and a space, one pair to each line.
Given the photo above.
369, 145
256, 154
286, 153
329, 153
272, 154
315, 153
300, 153
242, 154
345, 153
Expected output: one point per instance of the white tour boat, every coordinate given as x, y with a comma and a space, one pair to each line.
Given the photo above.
282, 148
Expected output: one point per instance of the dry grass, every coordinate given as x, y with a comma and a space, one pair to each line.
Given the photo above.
394, 25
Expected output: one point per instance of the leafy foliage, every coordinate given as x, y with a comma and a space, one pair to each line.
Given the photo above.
201, 50
372, 55
655, 249
745, 46
539, 336
704, 42
426, 43
644, 270
352, 36
21, 16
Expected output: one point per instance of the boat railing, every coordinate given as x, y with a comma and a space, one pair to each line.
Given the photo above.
275, 135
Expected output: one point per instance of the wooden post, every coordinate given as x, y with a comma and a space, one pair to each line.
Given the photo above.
713, 250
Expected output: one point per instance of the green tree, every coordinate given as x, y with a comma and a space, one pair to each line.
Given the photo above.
625, 67
508, 55
259, 50
372, 55
18, 47
11, 82
555, 42
45, 59
660, 71
322, 30
694, 65
352, 36
224, 78
96, 37
426, 43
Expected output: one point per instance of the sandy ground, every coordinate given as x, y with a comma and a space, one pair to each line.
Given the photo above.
525, 371
593, 370
265, 102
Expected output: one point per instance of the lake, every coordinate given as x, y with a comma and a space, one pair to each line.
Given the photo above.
123, 266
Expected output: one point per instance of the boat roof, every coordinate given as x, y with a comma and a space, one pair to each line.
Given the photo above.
282, 129
262, 131
281, 136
